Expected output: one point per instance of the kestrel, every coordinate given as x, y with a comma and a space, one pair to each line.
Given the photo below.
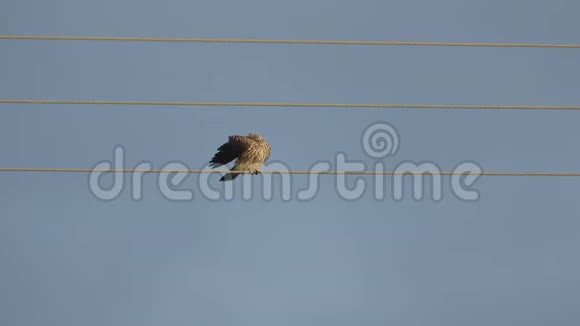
250, 152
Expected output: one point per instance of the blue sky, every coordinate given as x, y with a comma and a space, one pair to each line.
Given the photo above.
508, 259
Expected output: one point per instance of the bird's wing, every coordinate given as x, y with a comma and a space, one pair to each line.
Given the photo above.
229, 151
268, 151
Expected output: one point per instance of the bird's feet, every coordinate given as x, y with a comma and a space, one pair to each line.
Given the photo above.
256, 172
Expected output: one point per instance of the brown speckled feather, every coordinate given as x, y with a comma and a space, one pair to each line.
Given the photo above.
250, 153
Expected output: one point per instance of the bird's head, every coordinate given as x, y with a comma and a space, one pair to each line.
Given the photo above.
255, 136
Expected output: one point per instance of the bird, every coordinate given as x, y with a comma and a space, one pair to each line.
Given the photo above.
250, 153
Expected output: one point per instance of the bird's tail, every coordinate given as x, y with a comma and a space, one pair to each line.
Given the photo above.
232, 176
229, 177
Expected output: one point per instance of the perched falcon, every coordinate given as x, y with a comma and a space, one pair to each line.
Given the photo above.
250, 152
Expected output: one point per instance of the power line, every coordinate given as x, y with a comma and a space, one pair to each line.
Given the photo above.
297, 105
85, 170
276, 41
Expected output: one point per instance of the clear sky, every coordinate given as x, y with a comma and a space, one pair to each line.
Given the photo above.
510, 258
